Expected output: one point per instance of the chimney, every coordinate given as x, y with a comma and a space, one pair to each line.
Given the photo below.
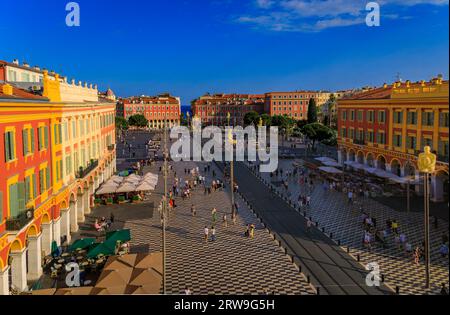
16, 61
25, 64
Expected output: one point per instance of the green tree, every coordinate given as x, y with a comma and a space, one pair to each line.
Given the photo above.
267, 120
318, 132
251, 118
138, 121
121, 123
312, 111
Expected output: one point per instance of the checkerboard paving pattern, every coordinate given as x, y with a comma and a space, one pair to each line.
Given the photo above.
332, 211
233, 264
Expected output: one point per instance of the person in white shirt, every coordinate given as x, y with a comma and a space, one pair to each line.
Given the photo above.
206, 232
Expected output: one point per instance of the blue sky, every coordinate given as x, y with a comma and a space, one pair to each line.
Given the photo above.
195, 46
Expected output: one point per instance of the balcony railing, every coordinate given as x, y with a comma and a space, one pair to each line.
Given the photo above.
83, 172
17, 223
359, 142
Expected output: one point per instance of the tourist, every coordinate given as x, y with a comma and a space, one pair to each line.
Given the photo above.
395, 226
417, 255
193, 210
206, 234
252, 230
350, 197
443, 250
213, 233
408, 248
214, 215
247, 231
308, 225
308, 201
234, 218
224, 220
187, 291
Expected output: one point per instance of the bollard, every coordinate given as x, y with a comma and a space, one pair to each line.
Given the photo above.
299, 268
348, 249
317, 223
382, 278
318, 291
308, 279
397, 290
358, 258
331, 235
323, 229
339, 242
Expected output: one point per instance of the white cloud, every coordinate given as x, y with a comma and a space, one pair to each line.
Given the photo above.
317, 15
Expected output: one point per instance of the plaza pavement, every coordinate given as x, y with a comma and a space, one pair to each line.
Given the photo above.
331, 210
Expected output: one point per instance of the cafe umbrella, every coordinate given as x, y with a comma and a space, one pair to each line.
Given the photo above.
106, 248
82, 243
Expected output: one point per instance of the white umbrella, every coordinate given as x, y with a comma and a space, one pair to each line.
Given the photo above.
117, 179
151, 175
133, 176
106, 190
331, 163
324, 159
331, 170
145, 187
132, 180
126, 187
111, 183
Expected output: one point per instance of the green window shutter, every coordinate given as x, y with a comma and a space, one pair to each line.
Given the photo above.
46, 137
13, 202
27, 188
25, 141
34, 186
32, 140
21, 196
41, 182
47, 178
7, 147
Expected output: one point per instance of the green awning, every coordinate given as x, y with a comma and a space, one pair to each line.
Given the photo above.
82, 243
120, 235
106, 248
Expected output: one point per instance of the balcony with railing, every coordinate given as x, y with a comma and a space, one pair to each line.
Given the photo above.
84, 171
20, 221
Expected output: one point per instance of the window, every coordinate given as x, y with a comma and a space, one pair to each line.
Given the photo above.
397, 140
381, 116
43, 138
16, 199
28, 141
370, 136
443, 119
351, 133
30, 188
344, 115
411, 142
44, 179
59, 168
57, 133
412, 118
360, 115
344, 133
443, 150
10, 146
428, 118
398, 117
352, 115
381, 138
427, 142
370, 116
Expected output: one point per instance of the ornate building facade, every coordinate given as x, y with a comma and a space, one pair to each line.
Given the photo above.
387, 127
57, 146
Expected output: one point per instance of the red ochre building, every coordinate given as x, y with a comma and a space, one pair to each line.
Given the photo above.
57, 146
293, 104
162, 110
213, 109
387, 127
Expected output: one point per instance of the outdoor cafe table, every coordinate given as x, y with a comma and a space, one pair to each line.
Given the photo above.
60, 261
80, 258
65, 255
58, 266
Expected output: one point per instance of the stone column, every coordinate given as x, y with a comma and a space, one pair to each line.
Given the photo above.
4, 281
388, 167
73, 217
80, 208
65, 223
19, 270
34, 257
47, 237
57, 231
86, 201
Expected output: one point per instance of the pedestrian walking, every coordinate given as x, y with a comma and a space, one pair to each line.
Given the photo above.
187, 291
214, 215
350, 197
234, 218
213, 233
224, 220
417, 255
193, 210
252, 231
206, 234
308, 225
444, 290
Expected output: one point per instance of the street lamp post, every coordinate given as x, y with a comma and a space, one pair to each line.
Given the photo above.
427, 163
164, 210
233, 213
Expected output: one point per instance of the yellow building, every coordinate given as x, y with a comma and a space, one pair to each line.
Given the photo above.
387, 127
58, 148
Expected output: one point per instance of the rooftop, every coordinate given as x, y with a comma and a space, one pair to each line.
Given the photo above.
10, 92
